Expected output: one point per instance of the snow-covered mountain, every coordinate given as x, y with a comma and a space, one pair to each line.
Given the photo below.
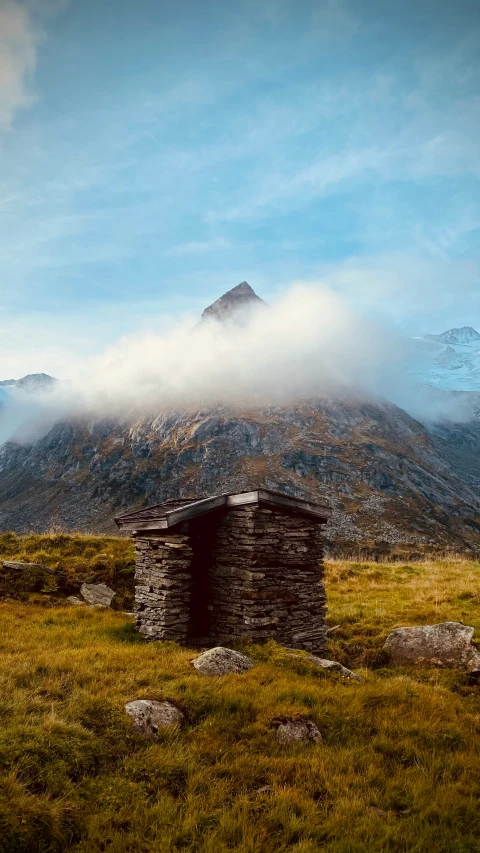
449, 361
463, 337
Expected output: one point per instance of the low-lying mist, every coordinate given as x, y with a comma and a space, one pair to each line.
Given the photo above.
309, 343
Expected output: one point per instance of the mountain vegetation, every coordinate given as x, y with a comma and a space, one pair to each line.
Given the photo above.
396, 769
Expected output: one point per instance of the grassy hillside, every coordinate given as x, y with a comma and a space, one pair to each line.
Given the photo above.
397, 769
74, 559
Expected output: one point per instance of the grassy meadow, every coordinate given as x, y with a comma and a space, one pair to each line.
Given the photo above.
397, 769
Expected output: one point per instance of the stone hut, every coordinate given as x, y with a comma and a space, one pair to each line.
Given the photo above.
234, 567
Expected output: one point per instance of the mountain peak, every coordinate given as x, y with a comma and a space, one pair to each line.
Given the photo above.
238, 299
31, 382
463, 335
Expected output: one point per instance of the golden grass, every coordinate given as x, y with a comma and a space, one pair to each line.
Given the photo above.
75, 558
397, 769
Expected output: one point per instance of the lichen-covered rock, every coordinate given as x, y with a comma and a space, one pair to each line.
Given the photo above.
296, 730
448, 644
149, 715
97, 593
221, 661
72, 599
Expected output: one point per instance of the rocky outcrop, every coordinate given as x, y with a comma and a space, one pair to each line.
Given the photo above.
448, 644
221, 661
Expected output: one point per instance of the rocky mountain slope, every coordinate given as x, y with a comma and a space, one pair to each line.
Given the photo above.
388, 479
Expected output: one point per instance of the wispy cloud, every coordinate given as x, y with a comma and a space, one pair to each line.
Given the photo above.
263, 139
19, 39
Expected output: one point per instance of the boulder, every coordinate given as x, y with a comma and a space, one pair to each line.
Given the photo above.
72, 599
221, 661
448, 644
97, 593
149, 716
296, 730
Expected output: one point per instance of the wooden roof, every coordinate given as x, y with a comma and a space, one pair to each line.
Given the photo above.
170, 513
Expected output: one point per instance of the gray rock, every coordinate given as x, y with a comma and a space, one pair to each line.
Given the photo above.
221, 661
15, 564
97, 593
334, 666
328, 665
448, 644
297, 730
72, 599
473, 665
149, 716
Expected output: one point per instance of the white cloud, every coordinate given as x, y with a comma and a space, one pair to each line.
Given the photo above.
18, 53
310, 342
21, 32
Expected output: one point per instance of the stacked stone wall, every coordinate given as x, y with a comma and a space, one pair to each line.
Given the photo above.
162, 586
267, 579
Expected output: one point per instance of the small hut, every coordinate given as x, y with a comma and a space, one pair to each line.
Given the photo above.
234, 567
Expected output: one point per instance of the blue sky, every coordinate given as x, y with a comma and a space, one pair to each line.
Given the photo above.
154, 154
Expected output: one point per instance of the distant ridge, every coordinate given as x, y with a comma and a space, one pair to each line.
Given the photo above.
237, 300
463, 335
31, 382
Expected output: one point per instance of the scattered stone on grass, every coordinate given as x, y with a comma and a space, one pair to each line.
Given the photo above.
72, 599
97, 593
296, 730
334, 666
473, 666
149, 716
328, 665
221, 661
448, 644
